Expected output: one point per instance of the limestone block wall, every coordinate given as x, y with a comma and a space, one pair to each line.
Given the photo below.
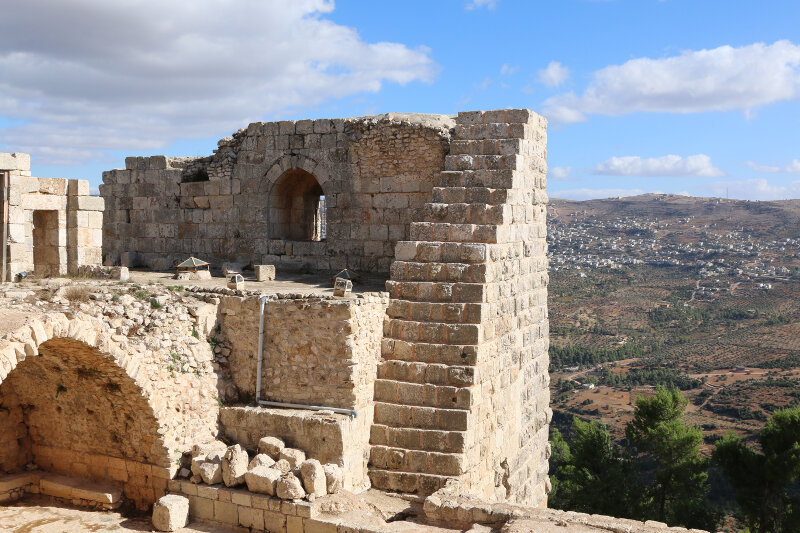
462, 389
375, 174
318, 350
54, 226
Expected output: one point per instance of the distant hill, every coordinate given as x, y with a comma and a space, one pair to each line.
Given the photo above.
778, 218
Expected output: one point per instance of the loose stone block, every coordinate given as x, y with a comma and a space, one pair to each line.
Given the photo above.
264, 272
271, 446
262, 459
211, 472
289, 488
293, 456
234, 466
333, 478
313, 477
262, 479
171, 512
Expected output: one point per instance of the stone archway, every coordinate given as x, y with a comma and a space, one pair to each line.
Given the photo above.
296, 207
76, 400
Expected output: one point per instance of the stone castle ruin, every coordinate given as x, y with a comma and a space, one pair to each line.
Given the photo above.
52, 225
435, 389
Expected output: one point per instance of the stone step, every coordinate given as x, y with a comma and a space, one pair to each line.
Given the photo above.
416, 291
408, 482
449, 272
80, 489
424, 395
408, 416
427, 373
433, 440
486, 162
401, 460
433, 332
463, 213
486, 147
499, 271
470, 195
449, 232
448, 313
447, 354
486, 179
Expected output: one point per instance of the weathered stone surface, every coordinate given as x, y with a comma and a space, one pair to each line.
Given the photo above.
211, 472
212, 448
293, 456
271, 446
283, 465
262, 479
234, 465
289, 488
171, 512
313, 477
261, 459
264, 272
333, 478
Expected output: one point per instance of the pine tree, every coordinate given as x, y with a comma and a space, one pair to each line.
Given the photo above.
677, 479
591, 475
763, 480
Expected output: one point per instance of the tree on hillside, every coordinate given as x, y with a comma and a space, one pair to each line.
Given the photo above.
763, 480
591, 475
676, 479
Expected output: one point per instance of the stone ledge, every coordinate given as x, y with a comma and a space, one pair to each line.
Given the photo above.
451, 507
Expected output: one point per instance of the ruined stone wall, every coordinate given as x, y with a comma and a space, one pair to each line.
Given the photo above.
462, 390
318, 350
54, 226
100, 400
376, 173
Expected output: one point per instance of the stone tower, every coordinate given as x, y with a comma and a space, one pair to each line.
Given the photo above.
462, 390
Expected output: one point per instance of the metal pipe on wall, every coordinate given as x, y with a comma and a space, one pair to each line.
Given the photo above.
259, 401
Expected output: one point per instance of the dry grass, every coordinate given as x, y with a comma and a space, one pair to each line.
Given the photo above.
77, 293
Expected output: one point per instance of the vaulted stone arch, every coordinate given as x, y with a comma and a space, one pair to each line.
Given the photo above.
78, 400
291, 162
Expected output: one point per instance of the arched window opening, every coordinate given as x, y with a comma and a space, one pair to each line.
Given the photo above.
297, 208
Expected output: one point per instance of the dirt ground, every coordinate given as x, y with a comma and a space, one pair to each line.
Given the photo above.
36, 515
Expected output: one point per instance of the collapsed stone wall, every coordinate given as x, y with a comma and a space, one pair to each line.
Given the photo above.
375, 174
325, 436
111, 390
462, 390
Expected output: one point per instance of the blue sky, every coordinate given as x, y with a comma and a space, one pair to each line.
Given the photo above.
678, 96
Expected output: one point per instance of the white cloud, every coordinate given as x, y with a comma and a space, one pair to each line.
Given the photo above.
554, 74
559, 173
507, 70
591, 194
91, 75
720, 79
754, 189
792, 168
477, 4
668, 165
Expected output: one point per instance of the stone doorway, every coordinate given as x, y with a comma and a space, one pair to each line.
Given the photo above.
46, 250
297, 208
